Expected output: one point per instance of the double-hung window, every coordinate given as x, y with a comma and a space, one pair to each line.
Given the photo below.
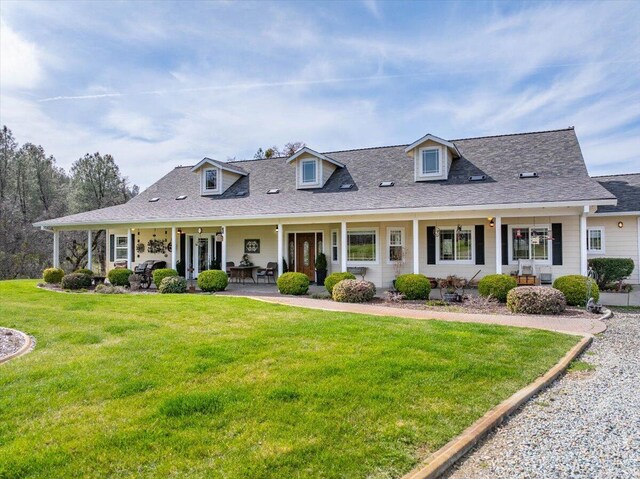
395, 243
595, 240
455, 245
121, 247
334, 246
309, 172
362, 246
430, 161
529, 242
211, 181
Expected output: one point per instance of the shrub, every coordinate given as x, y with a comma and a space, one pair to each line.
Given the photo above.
52, 275
76, 281
413, 286
496, 285
335, 278
293, 283
353, 291
86, 271
536, 300
577, 289
109, 289
162, 273
173, 285
321, 262
213, 280
611, 270
119, 276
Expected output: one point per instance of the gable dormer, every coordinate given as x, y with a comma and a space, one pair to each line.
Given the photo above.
432, 157
313, 169
216, 176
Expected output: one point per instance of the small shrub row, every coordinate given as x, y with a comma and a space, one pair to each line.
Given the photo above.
162, 273
353, 291
293, 283
52, 275
213, 280
413, 286
76, 281
173, 285
497, 286
536, 300
577, 289
334, 278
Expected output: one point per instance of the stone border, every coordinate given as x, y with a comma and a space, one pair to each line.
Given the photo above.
441, 460
24, 349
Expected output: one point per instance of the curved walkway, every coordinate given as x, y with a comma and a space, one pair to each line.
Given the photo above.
563, 324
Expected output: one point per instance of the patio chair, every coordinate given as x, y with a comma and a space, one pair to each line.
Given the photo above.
268, 272
230, 264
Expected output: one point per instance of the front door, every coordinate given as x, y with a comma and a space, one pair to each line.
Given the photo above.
305, 254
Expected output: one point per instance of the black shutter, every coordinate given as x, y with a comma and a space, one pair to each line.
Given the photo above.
505, 244
183, 250
479, 244
133, 249
112, 248
431, 245
556, 244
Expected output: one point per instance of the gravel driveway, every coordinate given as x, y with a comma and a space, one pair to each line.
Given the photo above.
587, 425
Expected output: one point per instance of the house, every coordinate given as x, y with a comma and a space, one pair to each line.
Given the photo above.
433, 206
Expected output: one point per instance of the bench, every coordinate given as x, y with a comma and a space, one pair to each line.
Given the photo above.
358, 270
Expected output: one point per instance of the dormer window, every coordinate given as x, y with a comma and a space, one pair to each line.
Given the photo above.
211, 181
309, 172
430, 162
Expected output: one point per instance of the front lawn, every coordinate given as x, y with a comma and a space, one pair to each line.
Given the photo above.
228, 387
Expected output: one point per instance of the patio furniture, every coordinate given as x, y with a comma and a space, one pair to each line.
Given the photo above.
527, 275
268, 272
358, 270
228, 267
146, 270
98, 280
241, 273
120, 264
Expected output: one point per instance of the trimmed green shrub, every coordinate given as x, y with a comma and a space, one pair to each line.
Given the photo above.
162, 273
86, 271
577, 289
536, 300
109, 289
293, 283
611, 270
335, 278
119, 276
497, 286
213, 280
52, 275
413, 286
76, 281
353, 291
173, 285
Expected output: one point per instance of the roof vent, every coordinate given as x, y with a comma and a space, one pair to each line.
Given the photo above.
385, 184
153, 200
181, 197
529, 174
346, 186
241, 193
273, 191
477, 177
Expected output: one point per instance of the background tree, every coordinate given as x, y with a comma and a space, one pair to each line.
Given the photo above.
275, 152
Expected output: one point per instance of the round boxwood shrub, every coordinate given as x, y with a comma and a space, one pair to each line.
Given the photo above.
293, 283
413, 286
353, 291
86, 271
162, 273
76, 281
536, 300
119, 276
497, 286
52, 275
577, 289
334, 278
213, 280
173, 284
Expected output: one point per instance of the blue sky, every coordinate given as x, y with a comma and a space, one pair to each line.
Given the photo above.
160, 84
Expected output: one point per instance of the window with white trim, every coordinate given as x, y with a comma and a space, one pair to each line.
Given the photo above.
308, 172
210, 181
529, 242
455, 245
595, 239
121, 249
430, 161
395, 244
362, 246
334, 246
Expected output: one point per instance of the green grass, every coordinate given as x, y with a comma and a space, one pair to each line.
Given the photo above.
578, 365
226, 387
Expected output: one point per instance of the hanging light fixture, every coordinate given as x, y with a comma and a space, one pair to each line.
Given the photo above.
492, 222
199, 231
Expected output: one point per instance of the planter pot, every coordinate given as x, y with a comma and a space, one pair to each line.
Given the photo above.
394, 284
450, 297
321, 275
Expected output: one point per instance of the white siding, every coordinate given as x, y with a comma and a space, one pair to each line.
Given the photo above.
619, 242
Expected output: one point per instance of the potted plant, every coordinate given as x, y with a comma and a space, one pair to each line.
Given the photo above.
134, 282
452, 288
321, 269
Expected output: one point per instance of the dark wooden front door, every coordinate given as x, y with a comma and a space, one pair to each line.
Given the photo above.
306, 254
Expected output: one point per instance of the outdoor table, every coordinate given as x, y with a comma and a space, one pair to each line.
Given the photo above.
242, 273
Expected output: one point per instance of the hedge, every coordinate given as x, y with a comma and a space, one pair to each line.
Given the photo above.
86, 271
335, 278
497, 286
173, 285
76, 281
413, 286
293, 283
52, 275
577, 289
611, 270
213, 280
162, 273
354, 291
119, 276
536, 300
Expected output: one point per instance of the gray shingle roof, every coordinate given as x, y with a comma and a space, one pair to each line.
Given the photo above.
554, 155
626, 188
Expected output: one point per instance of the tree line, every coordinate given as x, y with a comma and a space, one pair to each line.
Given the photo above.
34, 188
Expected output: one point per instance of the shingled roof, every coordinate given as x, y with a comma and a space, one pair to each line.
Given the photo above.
626, 188
554, 155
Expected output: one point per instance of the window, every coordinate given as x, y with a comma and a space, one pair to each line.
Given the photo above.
395, 242
528, 242
430, 161
595, 240
121, 250
211, 180
362, 246
309, 173
334, 246
455, 245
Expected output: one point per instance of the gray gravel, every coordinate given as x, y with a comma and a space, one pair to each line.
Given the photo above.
10, 342
587, 425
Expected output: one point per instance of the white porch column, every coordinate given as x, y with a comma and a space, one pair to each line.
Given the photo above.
223, 253
583, 242
56, 249
416, 247
89, 252
129, 246
343, 246
498, 227
280, 249
174, 247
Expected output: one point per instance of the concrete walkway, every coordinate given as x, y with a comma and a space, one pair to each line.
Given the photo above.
580, 326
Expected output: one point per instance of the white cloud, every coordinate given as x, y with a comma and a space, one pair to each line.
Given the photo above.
19, 60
